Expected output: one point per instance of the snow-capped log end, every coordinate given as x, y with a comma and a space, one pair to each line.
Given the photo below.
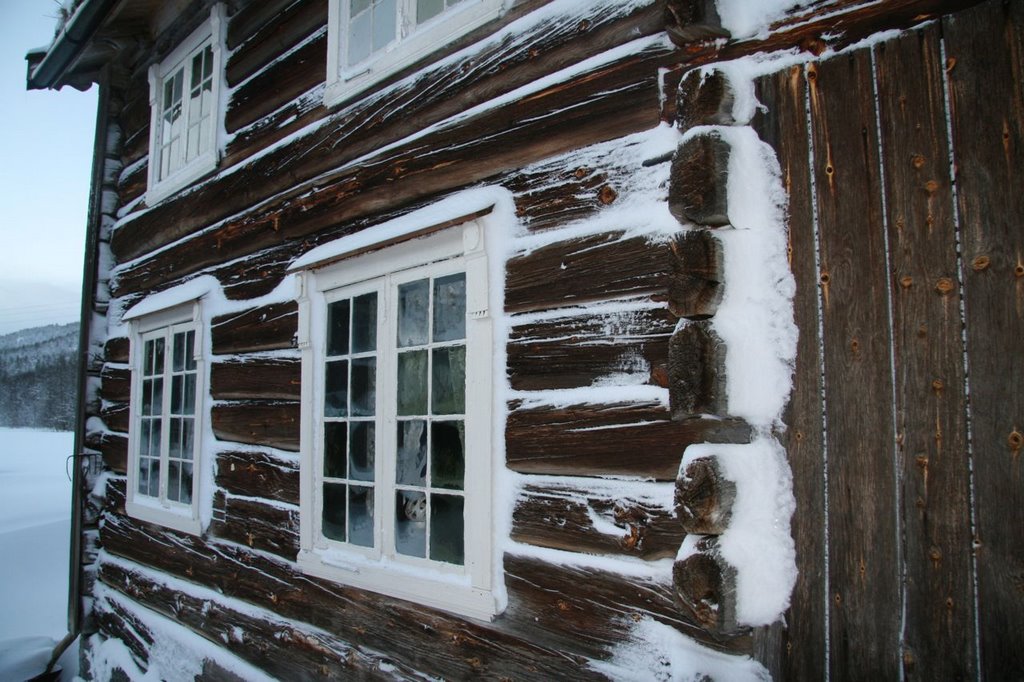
704, 584
690, 21
706, 97
704, 497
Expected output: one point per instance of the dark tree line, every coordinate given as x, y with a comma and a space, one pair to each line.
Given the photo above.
38, 378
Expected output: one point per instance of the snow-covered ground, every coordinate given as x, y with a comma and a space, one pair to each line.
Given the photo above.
35, 518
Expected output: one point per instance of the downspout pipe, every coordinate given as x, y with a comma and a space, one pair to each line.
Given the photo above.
68, 45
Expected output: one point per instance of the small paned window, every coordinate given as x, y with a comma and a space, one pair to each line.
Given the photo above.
184, 95
371, 39
165, 417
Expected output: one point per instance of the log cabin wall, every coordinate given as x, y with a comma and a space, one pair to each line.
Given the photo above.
902, 549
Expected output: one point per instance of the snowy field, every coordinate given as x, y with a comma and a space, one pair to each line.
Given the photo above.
35, 519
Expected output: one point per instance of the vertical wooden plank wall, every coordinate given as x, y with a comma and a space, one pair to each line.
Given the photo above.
905, 429
985, 65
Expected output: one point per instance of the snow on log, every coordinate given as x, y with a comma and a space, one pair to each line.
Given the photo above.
271, 423
258, 474
253, 523
270, 327
255, 378
704, 497
697, 191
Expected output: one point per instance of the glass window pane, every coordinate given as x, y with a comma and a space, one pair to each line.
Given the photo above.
411, 523
411, 467
333, 516
178, 353
413, 302
158, 396
155, 436
197, 71
359, 38
208, 59
147, 397
336, 389
426, 9
364, 323
154, 477
186, 483
412, 383
450, 307
361, 452
447, 454
188, 428
449, 384
174, 480
335, 443
177, 389
360, 516
174, 449
190, 353
189, 402
337, 328
385, 19
158, 356
358, 6
447, 536
143, 486
364, 386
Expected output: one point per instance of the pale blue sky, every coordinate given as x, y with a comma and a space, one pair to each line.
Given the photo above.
45, 161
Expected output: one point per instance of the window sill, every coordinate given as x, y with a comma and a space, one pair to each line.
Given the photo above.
183, 521
181, 179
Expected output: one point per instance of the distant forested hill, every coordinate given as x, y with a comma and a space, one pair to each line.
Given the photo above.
38, 371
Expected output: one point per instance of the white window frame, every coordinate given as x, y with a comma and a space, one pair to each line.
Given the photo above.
160, 510
211, 33
412, 42
466, 590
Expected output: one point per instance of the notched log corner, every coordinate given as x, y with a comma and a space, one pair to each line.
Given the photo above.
704, 497
698, 180
705, 98
690, 21
696, 372
705, 587
695, 285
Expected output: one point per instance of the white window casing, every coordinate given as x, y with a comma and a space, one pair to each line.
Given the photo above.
378, 564
363, 49
185, 110
167, 416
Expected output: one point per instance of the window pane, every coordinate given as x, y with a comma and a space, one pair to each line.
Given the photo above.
384, 21
186, 483
154, 438
143, 486
197, 72
189, 401
154, 478
364, 323
158, 356
336, 390
188, 428
361, 452
358, 6
364, 386
411, 523
177, 388
450, 307
449, 385
174, 450
174, 480
208, 59
178, 353
359, 38
413, 302
447, 529
333, 526
337, 328
335, 442
447, 454
147, 397
426, 9
360, 516
412, 453
412, 383
158, 396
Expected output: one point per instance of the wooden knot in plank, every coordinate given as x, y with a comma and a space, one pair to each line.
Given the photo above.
698, 178
704, 497
696, 370
705, 98
704, 584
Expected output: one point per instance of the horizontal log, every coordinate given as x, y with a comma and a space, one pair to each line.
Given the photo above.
113, 447
428, 641
607, 104
116, 416
248, 522
704, 497
705, 98
572, 517
269, 327
577, 351
696, 371
116, 384
115, 622
273, 424
256, 378
117, 350
548, 197
587, 611
263, 31
632, 439
697, 191
258, 475
705, 586
132, 185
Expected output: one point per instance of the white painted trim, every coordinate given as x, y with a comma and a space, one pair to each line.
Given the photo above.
344, 81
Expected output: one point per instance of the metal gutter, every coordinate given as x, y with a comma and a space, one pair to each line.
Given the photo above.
68, 45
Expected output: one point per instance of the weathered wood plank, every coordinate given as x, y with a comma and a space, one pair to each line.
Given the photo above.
571, 516
270, 327
698, 181
258, 34
633, 439
863, 517
587, 611
704, 497
938, 629
783, 125
116, 416
704, 99
116, 384
113, 448
252, 523
985, 66
258, 475
696, 372
117, 350
705, 584
274, 424
256, 378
